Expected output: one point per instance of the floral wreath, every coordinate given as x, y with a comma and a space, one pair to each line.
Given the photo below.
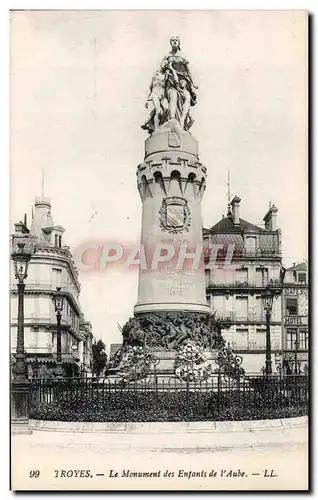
136, 363
191, 364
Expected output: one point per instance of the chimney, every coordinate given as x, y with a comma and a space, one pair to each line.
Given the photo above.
270, 218
20, 227
236, 210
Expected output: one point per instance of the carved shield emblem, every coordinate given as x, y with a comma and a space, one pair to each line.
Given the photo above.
174, 215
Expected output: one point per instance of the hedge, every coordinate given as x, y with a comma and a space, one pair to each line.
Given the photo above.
172, 406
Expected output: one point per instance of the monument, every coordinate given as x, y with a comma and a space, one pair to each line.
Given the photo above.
171, 310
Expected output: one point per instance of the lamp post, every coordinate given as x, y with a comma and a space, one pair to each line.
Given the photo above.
74, 348
297, 364
21, 256
22, 250
267, 298
58, 300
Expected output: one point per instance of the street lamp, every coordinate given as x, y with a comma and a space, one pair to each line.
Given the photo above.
22, 250
58, 300
267, 298
21, 256
297, 364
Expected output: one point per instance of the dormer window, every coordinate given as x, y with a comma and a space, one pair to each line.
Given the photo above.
302, 277
57, 240
251, 244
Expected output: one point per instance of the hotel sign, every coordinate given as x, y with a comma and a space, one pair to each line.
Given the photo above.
296, 291
296, 320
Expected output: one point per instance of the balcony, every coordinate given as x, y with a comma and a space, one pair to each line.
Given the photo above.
231, 318
66, 322
67, 356
262, 253
266, 250
253, 346
246, 285
46, 286
34, 320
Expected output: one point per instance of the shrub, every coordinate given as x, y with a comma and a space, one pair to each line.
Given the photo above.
132, 405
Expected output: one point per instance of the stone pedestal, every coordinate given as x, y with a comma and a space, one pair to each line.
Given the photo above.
20, 407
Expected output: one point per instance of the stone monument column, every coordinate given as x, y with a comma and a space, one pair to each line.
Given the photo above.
171, 309
171, 183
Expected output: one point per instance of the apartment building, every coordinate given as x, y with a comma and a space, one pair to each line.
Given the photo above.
248, 259
50, 267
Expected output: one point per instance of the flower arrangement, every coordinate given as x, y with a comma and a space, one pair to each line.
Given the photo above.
191, 364
136, 363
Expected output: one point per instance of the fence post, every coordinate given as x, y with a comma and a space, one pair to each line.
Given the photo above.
187, 397
20, 393
156, 391
219, 388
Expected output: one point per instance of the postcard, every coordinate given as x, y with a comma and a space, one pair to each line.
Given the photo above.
159, 270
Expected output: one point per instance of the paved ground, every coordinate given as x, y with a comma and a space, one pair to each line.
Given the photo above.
211, 457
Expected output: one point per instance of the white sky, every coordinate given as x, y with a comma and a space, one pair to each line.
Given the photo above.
77, 107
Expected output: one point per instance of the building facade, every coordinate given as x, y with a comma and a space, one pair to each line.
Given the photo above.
295, 319
245, 259
50, 267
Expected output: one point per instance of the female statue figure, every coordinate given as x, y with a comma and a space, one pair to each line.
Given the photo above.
172, 91
180, 89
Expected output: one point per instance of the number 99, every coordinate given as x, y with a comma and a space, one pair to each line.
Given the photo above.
34, 473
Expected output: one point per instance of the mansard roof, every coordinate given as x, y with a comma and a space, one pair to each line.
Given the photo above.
226, 225
302, 266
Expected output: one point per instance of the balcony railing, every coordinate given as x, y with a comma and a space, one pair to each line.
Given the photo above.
45, 285
256, 283
261, 253
237, 247
48, 320
48, 286
253, 345
250, 317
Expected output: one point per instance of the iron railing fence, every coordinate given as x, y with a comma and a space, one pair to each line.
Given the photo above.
248, 283
221, 397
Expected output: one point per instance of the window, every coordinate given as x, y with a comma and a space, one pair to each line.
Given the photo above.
291, 306
72, 318
260, 338
241, 339
207, 277
303, 338
291, 338
68, 341
302, 278
60, 241
56, 277
241, 275
251, 245
241, 308
261, 276
259, 315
